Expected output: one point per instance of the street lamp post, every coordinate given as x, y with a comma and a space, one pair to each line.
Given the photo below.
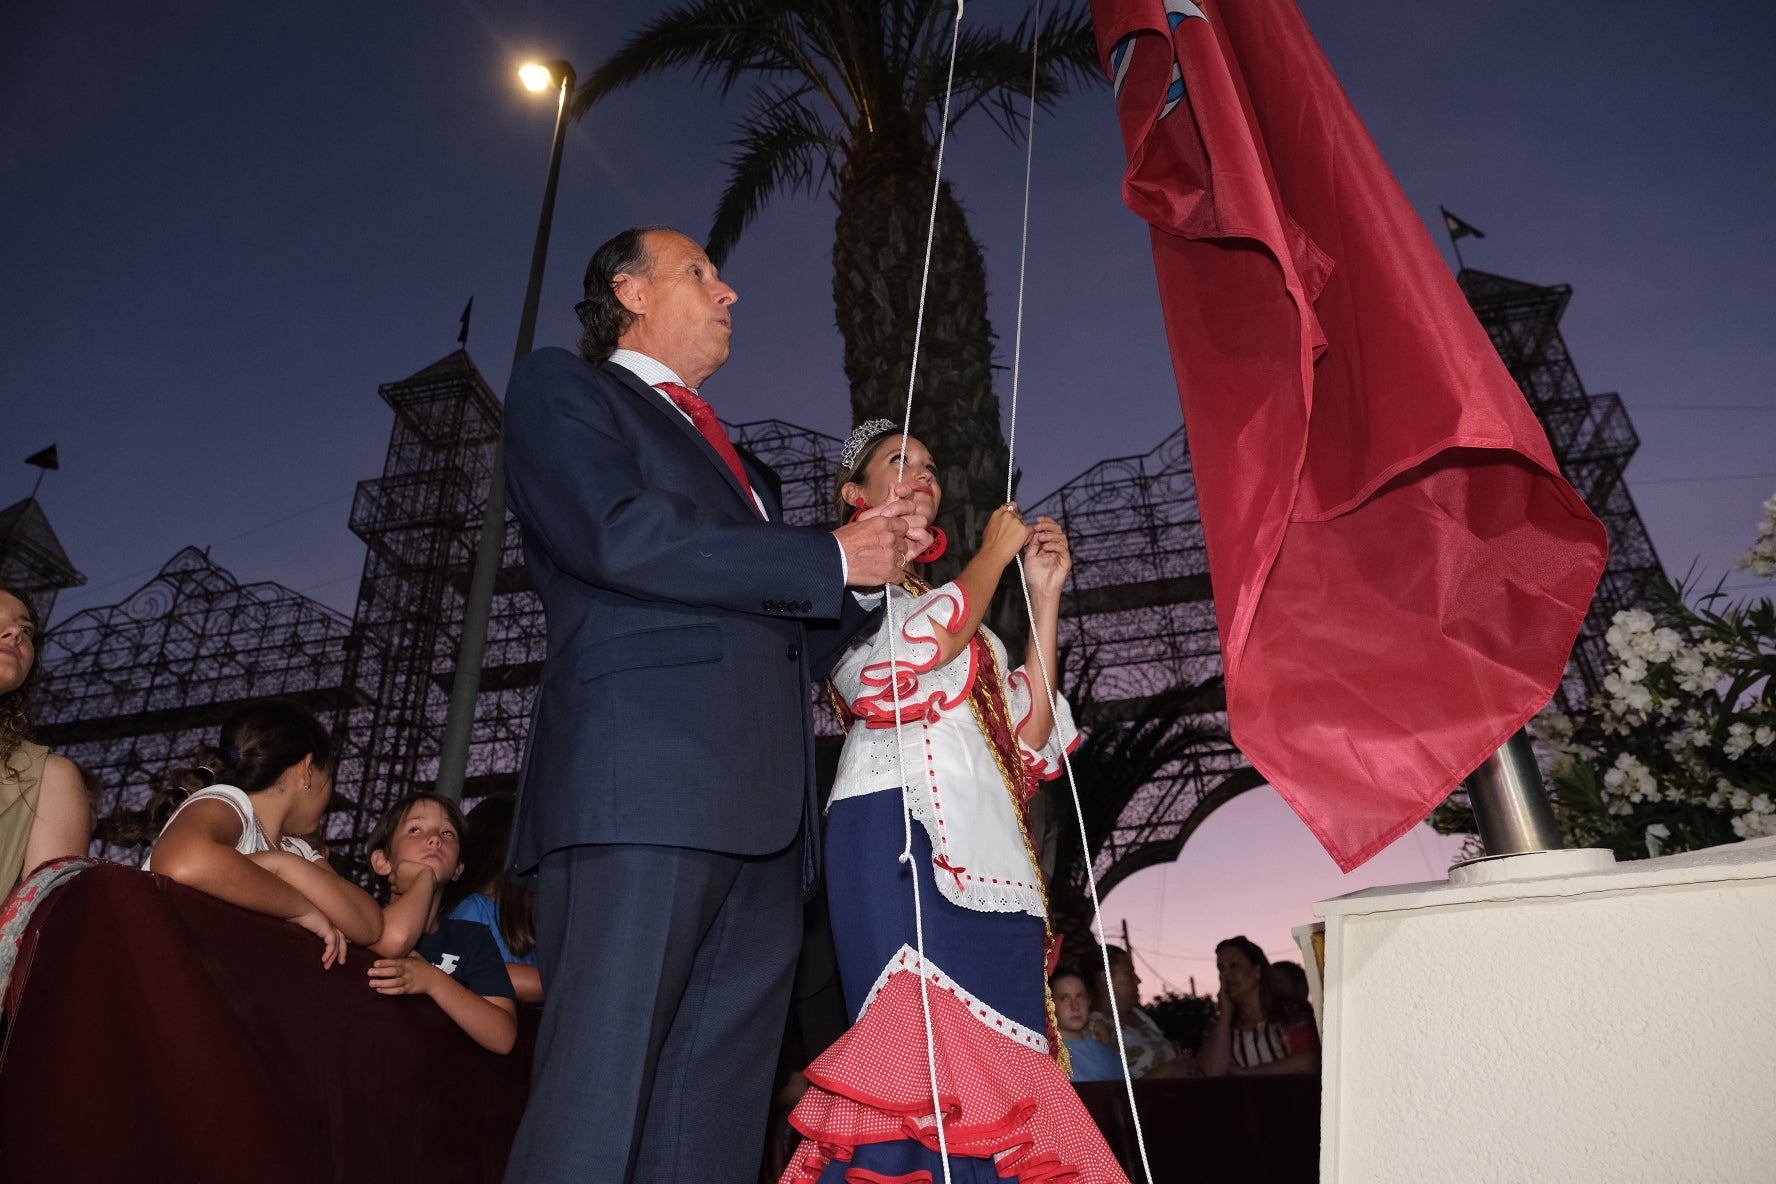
453, 757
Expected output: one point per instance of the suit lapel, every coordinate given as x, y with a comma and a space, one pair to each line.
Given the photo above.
681, 422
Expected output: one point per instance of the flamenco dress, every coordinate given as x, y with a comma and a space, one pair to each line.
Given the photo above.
1008, 1110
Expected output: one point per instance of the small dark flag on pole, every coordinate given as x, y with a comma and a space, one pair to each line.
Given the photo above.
1459, 229
462, 338
44, 459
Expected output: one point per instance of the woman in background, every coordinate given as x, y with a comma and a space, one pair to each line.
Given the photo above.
1257, 1028
232, 817
44, 811
1150, 1051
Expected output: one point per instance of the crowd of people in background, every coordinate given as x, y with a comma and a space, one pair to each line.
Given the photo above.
243, 822
1262, 1020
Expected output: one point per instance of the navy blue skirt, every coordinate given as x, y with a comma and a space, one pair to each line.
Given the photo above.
998, 957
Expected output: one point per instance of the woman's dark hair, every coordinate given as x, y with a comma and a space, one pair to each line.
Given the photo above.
484, 870
257, 745
1054, 980
1291, 979
871, 446
1096, 984
603, 318
1268, 1002
15, 705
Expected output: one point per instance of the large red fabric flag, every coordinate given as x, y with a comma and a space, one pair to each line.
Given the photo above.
1399, 569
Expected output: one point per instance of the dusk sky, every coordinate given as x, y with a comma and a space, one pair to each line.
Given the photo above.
225, 226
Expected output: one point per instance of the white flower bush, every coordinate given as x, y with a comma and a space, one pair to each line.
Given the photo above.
1678, 751
1761, 559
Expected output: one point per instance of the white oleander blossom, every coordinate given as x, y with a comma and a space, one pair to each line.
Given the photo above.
1628, 781
1758, 820
1656, 834
1723, 794
1761, 559
1635, 636
1695, 671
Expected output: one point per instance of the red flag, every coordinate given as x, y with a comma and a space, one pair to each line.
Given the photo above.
1399, 569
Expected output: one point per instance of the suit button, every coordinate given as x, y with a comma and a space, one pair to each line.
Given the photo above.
794, 651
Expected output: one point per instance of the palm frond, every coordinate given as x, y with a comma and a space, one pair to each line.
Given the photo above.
993, 68
1124, 752
718, 40
783, 145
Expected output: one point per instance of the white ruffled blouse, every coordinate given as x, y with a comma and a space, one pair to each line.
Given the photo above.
954, 785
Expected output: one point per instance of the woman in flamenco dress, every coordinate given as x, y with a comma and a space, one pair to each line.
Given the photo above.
973, 737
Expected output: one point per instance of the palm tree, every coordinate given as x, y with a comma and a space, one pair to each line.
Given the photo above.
848, 94
1126, 747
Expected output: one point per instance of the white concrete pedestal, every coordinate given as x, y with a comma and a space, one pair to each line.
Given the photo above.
1599, 1024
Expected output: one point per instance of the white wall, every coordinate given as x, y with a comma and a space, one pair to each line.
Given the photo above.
1526, 1029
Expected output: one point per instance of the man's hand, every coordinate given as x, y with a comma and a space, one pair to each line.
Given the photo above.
918, 518
879, 542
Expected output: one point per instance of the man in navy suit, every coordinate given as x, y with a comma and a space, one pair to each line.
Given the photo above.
667, 801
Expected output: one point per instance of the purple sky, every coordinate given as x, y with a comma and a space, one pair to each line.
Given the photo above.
225, 226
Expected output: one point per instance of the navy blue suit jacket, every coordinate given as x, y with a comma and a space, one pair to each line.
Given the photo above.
684, 632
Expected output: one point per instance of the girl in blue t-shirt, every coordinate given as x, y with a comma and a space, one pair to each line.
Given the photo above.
1092, 1060
487, 893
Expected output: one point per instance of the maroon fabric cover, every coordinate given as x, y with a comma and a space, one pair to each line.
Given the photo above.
1256, 1130
154, 1032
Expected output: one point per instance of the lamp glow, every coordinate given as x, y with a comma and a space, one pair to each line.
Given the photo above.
535, 77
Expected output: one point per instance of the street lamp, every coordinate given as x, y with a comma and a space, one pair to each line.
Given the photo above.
453, 757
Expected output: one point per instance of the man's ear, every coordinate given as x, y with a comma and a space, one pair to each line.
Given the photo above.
631, 292
379, 863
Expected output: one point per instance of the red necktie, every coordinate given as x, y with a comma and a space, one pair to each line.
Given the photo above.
703, 416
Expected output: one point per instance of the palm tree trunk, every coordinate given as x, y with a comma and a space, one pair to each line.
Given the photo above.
884, 200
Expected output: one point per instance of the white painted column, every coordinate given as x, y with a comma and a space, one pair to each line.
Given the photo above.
1555, 1018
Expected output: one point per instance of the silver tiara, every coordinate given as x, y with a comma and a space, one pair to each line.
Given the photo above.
862, 434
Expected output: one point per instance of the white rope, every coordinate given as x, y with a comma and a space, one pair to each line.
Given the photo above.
1091, 881
1048, 682
1017, 339
906, 853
